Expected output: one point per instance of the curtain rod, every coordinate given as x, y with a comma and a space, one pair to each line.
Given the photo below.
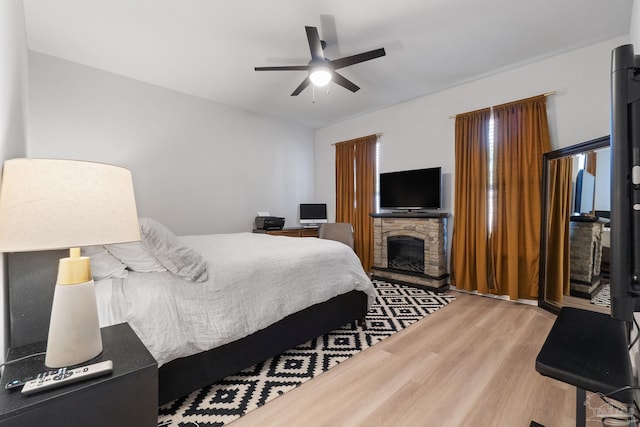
553, 92
378, 134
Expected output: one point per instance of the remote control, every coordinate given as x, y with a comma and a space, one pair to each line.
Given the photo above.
16, 383
51, 379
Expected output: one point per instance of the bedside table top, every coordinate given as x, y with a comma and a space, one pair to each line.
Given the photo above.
120, 345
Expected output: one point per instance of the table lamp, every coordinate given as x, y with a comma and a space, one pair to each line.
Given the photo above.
57, 204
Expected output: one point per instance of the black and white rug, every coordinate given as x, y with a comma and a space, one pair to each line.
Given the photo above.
603, 297
396, 307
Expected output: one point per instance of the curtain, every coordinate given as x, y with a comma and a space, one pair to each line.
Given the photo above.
590, 162
558, 213
521, 138
355, 192
470, 241
345, 191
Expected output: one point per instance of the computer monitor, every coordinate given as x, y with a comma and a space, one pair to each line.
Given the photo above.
312, 214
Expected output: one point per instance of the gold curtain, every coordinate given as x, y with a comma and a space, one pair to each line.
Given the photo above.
521, 138
345, 193
470, 242
559, 211
590, 162
355, 192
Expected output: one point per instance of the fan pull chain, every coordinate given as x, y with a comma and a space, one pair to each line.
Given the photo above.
313, 93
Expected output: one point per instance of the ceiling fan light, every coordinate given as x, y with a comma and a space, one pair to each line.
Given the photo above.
320, 76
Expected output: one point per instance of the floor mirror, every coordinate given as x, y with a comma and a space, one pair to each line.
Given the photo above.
574, 243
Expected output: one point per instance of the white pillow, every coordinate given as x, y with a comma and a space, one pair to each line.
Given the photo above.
136, 257
171, 252
103, 264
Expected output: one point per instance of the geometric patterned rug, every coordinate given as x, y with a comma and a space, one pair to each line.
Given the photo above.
603, 297
396, 307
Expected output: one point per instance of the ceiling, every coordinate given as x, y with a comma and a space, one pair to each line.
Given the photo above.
209, 48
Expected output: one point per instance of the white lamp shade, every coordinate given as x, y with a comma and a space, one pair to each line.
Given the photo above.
53, 204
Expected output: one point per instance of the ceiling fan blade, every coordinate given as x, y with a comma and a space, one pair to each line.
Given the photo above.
315, 46
301, 87
284, 68
345, 83
354, 59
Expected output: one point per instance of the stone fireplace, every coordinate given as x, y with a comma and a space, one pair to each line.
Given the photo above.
585, 256
405, 253
411, 248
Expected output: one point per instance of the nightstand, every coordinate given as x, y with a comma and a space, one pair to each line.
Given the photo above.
126, 397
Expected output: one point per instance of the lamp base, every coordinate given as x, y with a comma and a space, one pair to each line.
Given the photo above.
74, 329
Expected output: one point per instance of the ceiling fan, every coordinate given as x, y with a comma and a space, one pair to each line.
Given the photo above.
322, 70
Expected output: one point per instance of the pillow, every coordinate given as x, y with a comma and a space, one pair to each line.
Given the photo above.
173, 254
136, 257
103, 264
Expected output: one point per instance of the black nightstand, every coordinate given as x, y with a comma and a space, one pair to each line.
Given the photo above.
127, 397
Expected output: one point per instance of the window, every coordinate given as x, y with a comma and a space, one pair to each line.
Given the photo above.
496, 232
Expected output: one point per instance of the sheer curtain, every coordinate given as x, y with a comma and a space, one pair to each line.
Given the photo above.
470, 242
355, 192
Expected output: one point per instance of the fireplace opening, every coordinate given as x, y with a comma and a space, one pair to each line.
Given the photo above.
405, 253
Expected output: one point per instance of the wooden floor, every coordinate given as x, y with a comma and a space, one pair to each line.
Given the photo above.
472, 363
585, 304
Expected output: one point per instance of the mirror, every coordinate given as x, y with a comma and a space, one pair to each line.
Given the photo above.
574, 243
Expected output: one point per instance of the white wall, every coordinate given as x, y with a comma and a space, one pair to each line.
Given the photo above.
634, 31
420, 133
13, 78
198, 167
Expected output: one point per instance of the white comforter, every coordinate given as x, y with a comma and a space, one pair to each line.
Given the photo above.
254, 281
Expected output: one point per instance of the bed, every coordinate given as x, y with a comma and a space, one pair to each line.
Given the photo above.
180, 295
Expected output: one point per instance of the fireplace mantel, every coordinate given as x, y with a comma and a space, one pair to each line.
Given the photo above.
417, 214
431, 227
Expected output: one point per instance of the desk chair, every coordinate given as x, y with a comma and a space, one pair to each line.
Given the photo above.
338, 231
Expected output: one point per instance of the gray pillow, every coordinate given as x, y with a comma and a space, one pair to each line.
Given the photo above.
171, 252
103, 264
136, 257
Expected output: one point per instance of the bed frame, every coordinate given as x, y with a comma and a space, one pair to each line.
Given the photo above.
31, 285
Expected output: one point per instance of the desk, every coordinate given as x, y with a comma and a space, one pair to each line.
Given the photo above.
588, 350
292, 232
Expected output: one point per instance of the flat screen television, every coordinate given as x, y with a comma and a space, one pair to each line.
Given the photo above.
312, 214
418, 189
